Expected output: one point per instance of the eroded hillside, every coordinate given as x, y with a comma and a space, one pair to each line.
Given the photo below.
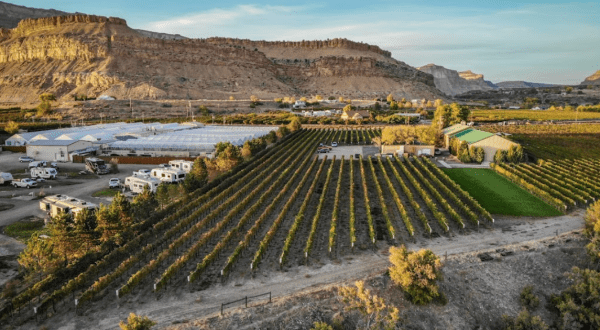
93, 55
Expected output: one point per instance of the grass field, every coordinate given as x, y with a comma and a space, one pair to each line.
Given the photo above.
106, 193
498, 195
492, 115
23, 229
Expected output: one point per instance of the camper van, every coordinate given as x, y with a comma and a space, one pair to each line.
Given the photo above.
5, 178
43, 172
96, 165
184, 165
137, 183
168, 175
61, 203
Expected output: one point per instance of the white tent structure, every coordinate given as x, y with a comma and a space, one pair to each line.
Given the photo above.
194, 140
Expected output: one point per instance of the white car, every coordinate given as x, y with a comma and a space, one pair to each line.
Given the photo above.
23, 159
114, 183
334, 144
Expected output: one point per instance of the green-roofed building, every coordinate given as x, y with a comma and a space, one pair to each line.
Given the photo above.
488, 141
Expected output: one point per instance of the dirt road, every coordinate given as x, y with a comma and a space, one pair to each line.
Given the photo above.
168, 309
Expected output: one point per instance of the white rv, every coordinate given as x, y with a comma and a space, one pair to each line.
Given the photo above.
137, 183
168, 175
5, 178
62, 203
184, 165
43, 172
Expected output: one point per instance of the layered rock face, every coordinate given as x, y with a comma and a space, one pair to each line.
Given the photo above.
593, 79
94, 55
11, 15
453, 83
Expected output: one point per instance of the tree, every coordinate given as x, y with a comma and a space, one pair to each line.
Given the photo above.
227, 156
477, 154
390, 98
162, 194
569, 90
203, 110
319, 97
528, 299
253, 98
85, 229
294, 125
393, 105
231, 98
429, 104
39, 255
408, 105
515, 154
282, 131
341, 99
377, 106
64, 236
377, 314
438, 103
11, 127
347, 107
500, 156
144, 204
135, 322
303, 99
416, 272
459, 113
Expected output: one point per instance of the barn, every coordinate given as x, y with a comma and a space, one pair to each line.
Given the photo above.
55, 150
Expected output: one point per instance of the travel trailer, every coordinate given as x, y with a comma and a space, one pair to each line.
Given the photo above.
137, 183
184, 165
168, 175
96, 165
5, 178
43, 172
62, 203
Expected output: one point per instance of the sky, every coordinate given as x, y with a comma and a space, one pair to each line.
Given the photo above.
537, 41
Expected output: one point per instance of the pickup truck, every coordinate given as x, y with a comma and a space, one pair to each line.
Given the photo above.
24, 183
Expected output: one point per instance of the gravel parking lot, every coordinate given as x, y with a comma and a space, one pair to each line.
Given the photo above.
76, 186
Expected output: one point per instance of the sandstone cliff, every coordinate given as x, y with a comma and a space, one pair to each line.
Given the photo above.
94, 55
593, 79
453, 83
11, 15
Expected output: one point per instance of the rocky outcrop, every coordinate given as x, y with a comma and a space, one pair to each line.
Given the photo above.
158, 35
94, 55
593, 79
312, 44
452, 82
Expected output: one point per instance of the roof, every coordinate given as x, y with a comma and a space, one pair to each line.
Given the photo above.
54, 142
454, 129
472, 135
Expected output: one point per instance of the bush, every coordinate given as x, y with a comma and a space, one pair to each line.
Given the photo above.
135, 322
417, 273
578, 304
321, 326
11, 127
477, 154
463, 156
528, 299
377, 314
524, 321
515, 154
500, 156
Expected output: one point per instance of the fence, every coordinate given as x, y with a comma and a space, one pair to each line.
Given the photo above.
132, 159
14, 148
245, 300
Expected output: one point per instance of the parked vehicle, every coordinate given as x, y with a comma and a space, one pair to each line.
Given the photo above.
39, 163
164, 165
23, 159
137, 183
334, 144
56, 204
168, 175
24, 183
142, 172
54, 165
96, 165
5, 178
43, 172
39, 180
114, 183
437, 151
184, 165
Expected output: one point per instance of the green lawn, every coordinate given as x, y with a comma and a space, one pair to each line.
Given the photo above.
106, 193
498, 195
23, 229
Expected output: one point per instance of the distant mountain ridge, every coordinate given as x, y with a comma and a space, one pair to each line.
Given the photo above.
522, 84
452, 82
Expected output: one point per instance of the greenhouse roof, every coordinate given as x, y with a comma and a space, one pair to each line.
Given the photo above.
472, 135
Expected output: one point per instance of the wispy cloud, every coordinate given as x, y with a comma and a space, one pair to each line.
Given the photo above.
498, 43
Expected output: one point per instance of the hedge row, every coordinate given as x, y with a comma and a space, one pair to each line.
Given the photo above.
14, 148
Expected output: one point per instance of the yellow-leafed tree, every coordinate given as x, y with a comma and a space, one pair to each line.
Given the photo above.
377, 314
417, 273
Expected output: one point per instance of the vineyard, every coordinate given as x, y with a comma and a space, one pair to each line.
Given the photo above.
554, 141
535, 115
564, 184
284, 208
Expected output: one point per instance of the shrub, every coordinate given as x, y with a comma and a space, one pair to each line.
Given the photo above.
231, 98
592, 230
135, 322
578, 304
377, 314
321, 326
416, 272
528, 299
331, 98
524, 321
515, 154
477, 154
500, 156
